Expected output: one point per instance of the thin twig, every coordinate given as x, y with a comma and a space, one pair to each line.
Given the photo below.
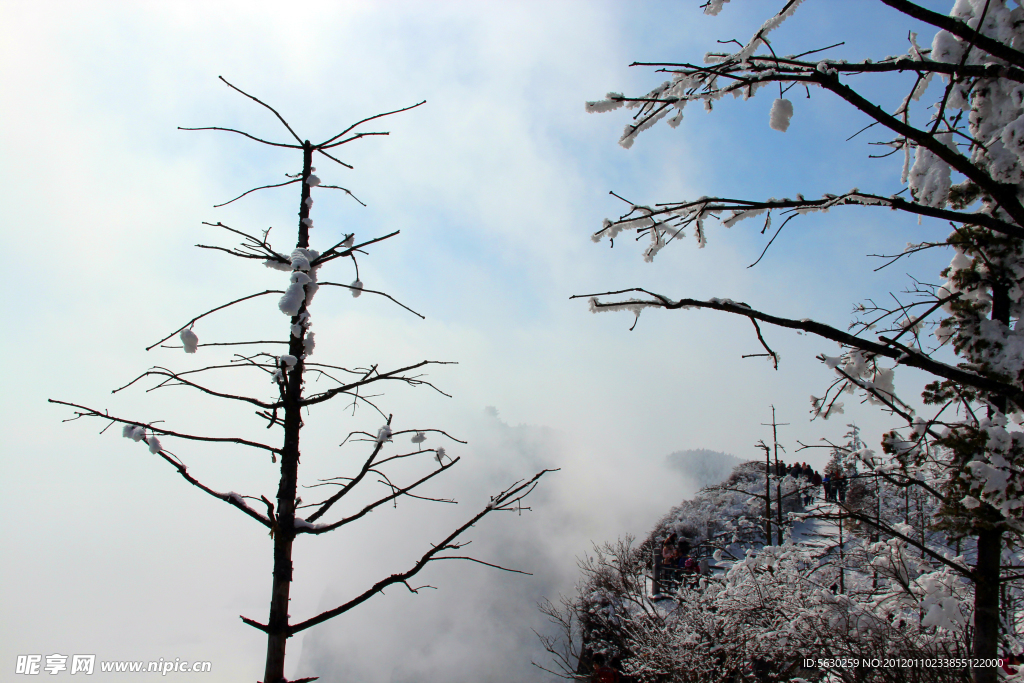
258, 101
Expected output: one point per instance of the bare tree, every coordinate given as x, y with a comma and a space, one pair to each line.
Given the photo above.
963, 164
283, 410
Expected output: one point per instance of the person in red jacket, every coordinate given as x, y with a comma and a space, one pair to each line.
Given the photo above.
602, 672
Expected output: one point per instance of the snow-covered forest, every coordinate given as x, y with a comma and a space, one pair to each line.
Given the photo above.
446, 181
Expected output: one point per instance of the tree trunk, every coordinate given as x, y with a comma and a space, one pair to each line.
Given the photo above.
767, 497
986, 602
284, 533
990, 545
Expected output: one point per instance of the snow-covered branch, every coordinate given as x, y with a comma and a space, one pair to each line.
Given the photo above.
917, 360
83, 411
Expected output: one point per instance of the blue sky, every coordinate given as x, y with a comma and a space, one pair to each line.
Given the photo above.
496, 184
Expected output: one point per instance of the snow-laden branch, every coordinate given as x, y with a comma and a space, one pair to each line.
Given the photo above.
745, 75
961, 569
84, 411
916, 359
672, 218
961, 29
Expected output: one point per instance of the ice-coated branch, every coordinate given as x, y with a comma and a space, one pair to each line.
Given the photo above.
700, 83
84, 411
422, 562
885, 398
774, 356
963, 570
759, 64
1005, 195
258, 101
214, 310
915, 359
675, 216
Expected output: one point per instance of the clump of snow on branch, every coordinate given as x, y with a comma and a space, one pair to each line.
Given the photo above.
930, 177
384, 434
277, 265
300, 523
292, 300
302, 285
356, 288
613, 100
301, 258
632, 305
138, 433
782, 112
713, 7
189, 340
312, 180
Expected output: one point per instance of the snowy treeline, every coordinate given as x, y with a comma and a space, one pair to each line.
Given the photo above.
834, 588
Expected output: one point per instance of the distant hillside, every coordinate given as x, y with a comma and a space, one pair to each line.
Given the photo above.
704, 467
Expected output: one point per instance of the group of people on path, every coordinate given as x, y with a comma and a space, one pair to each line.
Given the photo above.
676, 562
834, 483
